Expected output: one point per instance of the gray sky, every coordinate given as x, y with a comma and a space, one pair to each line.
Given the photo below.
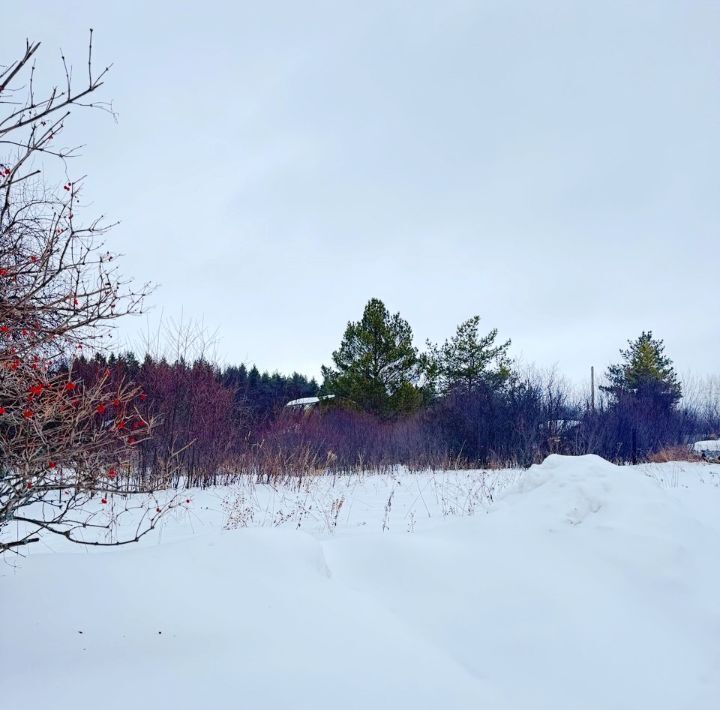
551, 166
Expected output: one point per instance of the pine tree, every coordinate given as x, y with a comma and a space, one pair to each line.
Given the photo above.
376, 366
468, 361
645, 373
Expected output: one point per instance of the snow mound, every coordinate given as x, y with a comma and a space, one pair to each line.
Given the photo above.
571, 489
576, 487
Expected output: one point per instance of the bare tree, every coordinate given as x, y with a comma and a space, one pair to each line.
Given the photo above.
62, 442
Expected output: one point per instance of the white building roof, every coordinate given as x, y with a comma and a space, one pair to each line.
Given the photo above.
308, 401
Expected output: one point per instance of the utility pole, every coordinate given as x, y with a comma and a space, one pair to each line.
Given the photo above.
592, 388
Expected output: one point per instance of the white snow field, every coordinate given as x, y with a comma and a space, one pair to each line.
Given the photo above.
574, 585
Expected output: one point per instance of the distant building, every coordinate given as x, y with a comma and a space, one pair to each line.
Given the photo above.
559, 433
561, 426
306, 403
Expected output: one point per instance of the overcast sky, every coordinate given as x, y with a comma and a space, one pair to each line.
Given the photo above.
551, 166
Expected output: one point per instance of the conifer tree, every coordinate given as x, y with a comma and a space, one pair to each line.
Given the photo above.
645, 373
468, 360
377, 365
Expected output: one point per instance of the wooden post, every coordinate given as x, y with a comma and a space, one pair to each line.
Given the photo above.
592, 388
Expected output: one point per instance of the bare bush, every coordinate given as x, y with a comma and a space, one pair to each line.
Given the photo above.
62, 441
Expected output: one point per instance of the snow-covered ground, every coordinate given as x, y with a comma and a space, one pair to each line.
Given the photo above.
574, 585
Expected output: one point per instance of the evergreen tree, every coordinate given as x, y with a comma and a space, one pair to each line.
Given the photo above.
468, 361
129, 363
259, 396
253, 381
376, 366
645, 373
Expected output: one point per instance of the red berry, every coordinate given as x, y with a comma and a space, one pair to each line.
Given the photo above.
51, 464
112, 473
103, 501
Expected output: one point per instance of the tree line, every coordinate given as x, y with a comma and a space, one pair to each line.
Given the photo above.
463, 402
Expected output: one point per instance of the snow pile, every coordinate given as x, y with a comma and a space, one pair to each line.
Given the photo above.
583, 585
